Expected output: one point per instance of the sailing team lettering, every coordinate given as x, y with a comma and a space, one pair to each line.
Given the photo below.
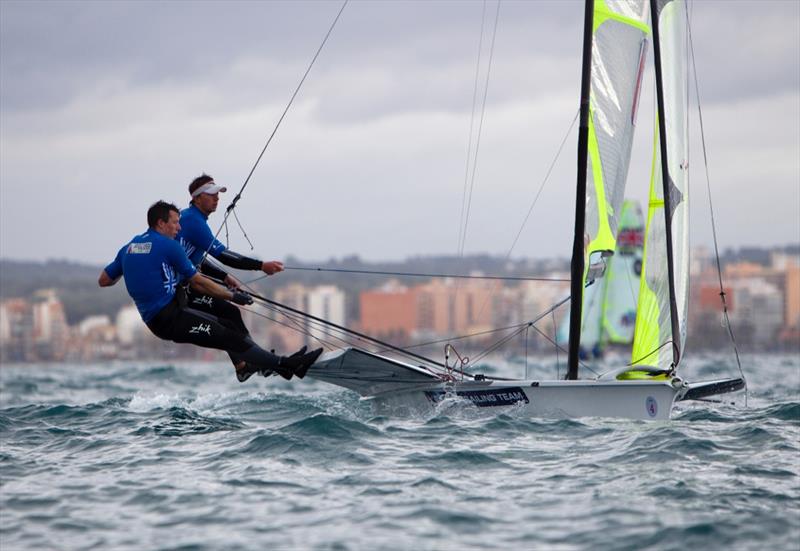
485, 398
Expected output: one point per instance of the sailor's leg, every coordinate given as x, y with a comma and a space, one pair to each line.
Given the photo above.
227, 314
222, 311
199, 328
186, 325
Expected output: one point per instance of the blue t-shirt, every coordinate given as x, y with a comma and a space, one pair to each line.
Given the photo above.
196, 237
153, 265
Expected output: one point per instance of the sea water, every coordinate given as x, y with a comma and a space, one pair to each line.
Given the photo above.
181, 456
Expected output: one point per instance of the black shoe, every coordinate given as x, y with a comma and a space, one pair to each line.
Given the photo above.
244, 373
266, 372
300, 364
284, 371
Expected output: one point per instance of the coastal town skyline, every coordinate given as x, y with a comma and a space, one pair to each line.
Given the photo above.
763, 301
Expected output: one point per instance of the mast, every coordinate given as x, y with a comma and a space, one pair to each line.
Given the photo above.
668, 185
578, 244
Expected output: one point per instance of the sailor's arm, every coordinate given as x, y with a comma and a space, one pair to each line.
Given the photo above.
219, 275
241, 262
204, 285
106, 280
113, 272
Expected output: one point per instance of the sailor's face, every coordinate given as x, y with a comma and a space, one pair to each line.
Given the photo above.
207, 202
171, 227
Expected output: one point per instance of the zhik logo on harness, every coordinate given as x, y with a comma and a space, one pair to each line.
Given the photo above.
203, 300
202, 328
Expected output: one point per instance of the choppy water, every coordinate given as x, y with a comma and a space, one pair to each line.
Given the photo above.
182, 457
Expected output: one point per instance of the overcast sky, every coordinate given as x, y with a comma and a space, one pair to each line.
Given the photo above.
106, 107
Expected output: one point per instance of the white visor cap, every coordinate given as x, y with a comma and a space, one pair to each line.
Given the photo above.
209, 187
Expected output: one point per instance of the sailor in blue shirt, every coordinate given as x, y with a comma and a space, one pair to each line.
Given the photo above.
196, 236
154, 266
202, 248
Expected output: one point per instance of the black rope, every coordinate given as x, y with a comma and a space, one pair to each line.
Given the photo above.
636, 361
293, 326
347, 330
300, 320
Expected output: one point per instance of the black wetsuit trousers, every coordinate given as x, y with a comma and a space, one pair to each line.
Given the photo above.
215, 323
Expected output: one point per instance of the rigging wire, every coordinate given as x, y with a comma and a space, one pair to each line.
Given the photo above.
414, 274
471, 129
541, 186
275, 129
306, 324
499, 343
480, 129
711, 209
555, 338
462, 337
346, 330
533, 204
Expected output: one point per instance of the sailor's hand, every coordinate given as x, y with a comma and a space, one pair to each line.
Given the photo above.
272, 267
232, 282
241, 298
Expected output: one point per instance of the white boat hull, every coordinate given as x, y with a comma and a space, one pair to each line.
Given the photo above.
399, 388
545, 399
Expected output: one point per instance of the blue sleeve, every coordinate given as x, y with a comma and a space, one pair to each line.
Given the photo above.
177, 256
114, 270
197, 232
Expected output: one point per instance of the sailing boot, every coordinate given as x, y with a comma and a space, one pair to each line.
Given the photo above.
268, 371
299, 364
245, 370
258, 359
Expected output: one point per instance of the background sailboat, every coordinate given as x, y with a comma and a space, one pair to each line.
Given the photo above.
610, 303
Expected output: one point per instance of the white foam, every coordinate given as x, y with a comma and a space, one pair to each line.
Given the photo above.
212, 403
143, 402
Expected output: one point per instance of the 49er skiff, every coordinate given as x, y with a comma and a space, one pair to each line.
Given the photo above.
616, 34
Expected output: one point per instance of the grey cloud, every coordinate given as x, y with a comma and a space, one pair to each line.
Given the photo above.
130, 99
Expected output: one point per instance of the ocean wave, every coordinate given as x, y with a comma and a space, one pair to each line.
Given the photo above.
180, 457
178, 421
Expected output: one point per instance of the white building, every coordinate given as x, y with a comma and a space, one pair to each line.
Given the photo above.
326, 302
781, 261
49, 321
50, 329
5, 324
759, 304
93, 324
130, 326
292, 330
